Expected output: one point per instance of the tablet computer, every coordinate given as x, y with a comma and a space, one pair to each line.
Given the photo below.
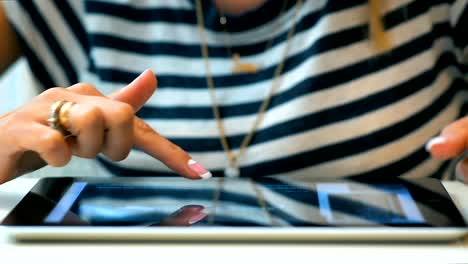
228, 209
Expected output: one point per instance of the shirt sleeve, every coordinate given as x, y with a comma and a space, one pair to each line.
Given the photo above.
43, 33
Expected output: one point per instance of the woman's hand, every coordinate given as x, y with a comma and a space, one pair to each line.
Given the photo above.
99, 124
452, 142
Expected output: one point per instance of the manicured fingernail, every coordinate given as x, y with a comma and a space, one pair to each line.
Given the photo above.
196, 218
199, 169
434, 141
206, 210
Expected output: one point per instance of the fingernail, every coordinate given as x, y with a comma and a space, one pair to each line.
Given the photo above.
199, 169
206, 211
434, 141
197, 218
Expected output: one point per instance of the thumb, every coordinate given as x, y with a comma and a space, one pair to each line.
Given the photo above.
138, 91
452, 142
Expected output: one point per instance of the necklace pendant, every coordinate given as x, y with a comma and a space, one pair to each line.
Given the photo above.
245, 68
240, 67
232, 171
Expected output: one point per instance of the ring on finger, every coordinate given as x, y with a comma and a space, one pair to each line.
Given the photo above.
64, 116
59, 117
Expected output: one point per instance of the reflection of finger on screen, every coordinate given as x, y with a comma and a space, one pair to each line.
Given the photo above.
185, 216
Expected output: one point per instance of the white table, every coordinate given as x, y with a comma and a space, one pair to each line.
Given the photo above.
110, 253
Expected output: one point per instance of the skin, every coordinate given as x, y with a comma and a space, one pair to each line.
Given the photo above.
237, 7
107, 124
9, 47
102, 124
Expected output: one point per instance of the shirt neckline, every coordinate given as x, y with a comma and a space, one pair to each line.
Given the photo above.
257, 17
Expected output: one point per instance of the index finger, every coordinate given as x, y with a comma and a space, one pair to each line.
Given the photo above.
452, 141
148, 140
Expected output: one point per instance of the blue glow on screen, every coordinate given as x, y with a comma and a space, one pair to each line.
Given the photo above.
67, 201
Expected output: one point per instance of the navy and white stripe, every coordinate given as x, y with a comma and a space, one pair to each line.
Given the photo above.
341, 111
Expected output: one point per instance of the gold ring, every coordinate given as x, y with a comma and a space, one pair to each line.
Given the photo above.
64, 119
58, 118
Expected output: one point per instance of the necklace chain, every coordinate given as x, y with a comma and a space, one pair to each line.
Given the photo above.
232, 157
238, 65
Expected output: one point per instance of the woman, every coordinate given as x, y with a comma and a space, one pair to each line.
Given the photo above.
251, 88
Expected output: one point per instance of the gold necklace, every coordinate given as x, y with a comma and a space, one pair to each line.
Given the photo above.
232, 170
258, 194
238, 65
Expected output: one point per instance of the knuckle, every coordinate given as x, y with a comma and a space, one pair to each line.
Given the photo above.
123, 114
88, 88
53, 93
92, 117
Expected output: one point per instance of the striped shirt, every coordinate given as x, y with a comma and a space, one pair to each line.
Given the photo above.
341, 110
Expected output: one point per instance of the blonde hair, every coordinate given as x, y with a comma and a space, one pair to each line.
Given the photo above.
379, 39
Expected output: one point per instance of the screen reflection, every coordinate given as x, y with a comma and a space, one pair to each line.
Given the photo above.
240, 202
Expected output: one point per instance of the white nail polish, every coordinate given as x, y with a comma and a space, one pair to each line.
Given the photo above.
206, 210
206, 175
434, 141
199, 169
197, 218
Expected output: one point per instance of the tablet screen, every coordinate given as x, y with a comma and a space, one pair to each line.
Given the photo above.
237, 202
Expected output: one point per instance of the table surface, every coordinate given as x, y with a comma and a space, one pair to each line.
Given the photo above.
12, 192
